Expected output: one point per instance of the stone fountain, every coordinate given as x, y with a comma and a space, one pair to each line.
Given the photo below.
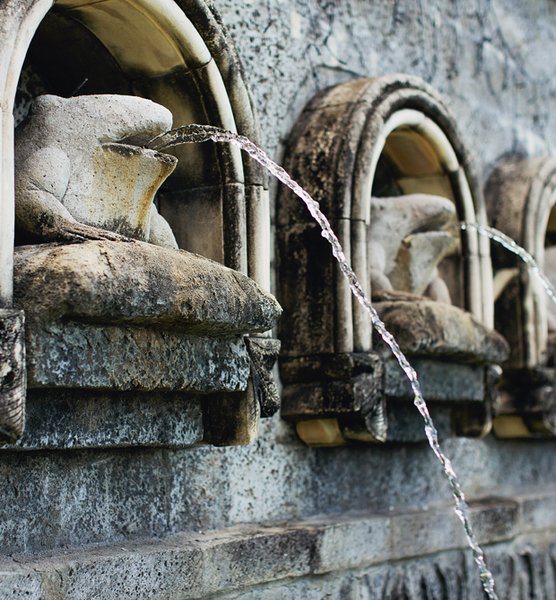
385, 160
111, 303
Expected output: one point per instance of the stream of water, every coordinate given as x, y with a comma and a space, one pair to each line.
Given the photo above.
509, 244
203, 133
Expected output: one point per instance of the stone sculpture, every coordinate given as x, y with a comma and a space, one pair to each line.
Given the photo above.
524, 314
386, 162
110, 301
407, 242
81, 172
408, 239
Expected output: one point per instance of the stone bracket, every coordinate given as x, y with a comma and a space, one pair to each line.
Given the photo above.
233, 419
526, 406
12, 374
366, 397
263, 353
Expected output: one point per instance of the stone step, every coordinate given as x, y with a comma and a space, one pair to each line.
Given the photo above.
195, 565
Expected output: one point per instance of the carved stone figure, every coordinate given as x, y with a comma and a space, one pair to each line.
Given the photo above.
81, 172
105, 311
363, 149
407, 243
408, 240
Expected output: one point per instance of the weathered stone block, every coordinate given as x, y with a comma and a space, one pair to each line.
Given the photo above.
67, 419
12, 374
138, 283
440, 381
495, 519
416, 550
136, 316
78, 355
340, 366
351, 543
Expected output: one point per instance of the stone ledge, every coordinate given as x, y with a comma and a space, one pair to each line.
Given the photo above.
441, 381
195, 565
110, 357
78, 419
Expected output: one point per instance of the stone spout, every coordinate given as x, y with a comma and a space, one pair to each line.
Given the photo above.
407, 241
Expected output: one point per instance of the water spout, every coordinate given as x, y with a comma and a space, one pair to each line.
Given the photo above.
201, 133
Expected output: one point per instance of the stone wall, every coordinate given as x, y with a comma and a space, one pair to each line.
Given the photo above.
487, 58
75, 520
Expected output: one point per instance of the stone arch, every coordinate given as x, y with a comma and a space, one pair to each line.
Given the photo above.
352, 142
403, 116
529, 187
521, 202
178, 54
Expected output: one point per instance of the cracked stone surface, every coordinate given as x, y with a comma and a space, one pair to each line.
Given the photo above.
484, 56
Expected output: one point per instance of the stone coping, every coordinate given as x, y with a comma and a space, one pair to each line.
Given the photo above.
193, 565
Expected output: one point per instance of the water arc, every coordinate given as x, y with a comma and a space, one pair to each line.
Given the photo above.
201, 133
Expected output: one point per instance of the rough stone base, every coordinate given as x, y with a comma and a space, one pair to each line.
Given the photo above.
64, 419
417, 554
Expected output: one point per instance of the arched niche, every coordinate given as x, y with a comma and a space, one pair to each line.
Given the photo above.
178, 54
380, 137
175, 53
521, 202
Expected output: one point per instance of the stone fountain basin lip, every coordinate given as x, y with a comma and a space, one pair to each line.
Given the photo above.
138, 284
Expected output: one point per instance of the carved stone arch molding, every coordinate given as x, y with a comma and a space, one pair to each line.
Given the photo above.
521, 201
178, 54
384, 158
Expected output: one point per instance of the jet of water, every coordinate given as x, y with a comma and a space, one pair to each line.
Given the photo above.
509, 244
202, 133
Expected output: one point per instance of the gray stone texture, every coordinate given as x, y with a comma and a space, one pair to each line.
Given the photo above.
13, 375
489, 59
486, 58
62, 420
421, 547
434, 329
139, 284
